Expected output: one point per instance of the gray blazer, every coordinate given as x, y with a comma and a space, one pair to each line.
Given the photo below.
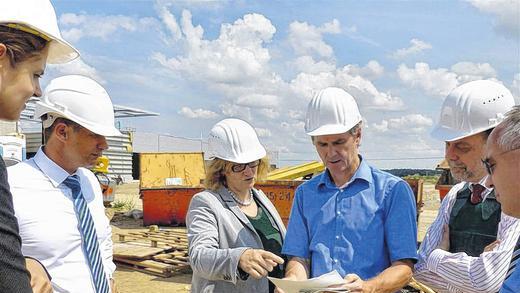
218, 234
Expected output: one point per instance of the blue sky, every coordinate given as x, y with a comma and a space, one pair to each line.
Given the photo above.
196, 62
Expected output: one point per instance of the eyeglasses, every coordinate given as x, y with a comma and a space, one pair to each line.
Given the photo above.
241, 167
28, 30
491, 166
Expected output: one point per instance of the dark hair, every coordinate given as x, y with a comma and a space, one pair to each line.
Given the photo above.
48, 131
20, 45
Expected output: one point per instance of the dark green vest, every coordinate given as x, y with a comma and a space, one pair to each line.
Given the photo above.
472, 227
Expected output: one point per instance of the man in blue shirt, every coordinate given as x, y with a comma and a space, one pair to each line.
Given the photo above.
352, 218
502, 163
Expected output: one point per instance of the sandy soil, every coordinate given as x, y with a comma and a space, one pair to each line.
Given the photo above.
129, 281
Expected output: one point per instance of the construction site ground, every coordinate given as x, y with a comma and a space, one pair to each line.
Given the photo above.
131, 281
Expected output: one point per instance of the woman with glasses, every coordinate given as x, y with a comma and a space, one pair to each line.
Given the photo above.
29, 38
235, 233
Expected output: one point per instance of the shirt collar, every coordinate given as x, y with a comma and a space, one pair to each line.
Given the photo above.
363, 172
53, 171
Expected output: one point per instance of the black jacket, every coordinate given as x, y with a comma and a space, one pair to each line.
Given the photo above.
14, 278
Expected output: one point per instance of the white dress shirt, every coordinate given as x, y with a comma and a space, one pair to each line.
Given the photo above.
457, 272
48, 223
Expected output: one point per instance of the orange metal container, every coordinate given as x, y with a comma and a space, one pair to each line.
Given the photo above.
281, 194
443, 190
167, 206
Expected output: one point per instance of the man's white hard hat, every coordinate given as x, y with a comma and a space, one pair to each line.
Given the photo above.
331, 111
472, 108
79, 99
234, 140
39, 18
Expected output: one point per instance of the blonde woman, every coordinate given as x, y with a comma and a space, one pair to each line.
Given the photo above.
235, 233
29, 38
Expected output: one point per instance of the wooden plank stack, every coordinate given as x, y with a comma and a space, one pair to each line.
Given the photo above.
161, 253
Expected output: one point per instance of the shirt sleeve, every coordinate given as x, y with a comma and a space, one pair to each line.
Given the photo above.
484, 273
297, 237
207, 259
434, 234
400, 223
13, 275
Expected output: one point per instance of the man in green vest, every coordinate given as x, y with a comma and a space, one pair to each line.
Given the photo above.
469, 223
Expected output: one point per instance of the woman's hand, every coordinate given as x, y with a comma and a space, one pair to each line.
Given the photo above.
40, 282
258, 263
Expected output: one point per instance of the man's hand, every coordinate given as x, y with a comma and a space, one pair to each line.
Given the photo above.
40, 282
445, 241
491, 246
113, 286
257, 262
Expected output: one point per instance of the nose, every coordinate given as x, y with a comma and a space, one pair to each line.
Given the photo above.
489, 181
37, 89
102, 143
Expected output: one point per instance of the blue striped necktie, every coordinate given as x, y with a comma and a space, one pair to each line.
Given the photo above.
88, 234
515, 258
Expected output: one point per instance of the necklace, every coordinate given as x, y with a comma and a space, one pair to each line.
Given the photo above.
246, 202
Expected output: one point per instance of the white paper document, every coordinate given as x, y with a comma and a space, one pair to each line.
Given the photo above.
314, 285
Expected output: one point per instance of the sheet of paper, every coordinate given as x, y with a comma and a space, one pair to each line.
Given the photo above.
310, 285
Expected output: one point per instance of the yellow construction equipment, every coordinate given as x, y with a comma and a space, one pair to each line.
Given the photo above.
298, 172
108, 185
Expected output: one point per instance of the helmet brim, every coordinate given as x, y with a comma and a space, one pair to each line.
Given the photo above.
448, 134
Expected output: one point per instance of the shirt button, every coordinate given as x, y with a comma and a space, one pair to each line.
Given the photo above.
338, 213
335, 260
337, 236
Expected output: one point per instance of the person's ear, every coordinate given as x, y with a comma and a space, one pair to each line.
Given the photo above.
3, 50
61, 131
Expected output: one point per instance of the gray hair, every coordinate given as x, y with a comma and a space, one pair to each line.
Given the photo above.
508, 136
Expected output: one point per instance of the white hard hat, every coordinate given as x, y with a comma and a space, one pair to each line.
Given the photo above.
472, 108
331, 111
79, 99
38, 17
234, 140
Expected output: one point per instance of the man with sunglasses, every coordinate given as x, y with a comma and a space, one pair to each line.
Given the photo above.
470, 222
502, 162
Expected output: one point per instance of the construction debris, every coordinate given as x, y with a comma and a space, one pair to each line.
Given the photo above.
157, 252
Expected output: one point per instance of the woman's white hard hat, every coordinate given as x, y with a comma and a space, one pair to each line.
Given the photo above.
331, 111
234, 140
472, 108
79, 99
39, 18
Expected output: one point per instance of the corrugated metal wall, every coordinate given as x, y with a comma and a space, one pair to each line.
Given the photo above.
119, 152
7, 127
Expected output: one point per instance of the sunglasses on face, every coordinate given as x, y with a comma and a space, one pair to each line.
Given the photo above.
241, 167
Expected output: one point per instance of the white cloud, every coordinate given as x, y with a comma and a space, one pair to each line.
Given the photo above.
438, 82
412, 123
309, 65
263, 132
78, 66
507, 14
78, 26
307, 39
236, 56
258, 101
232, 110
372, 70
197, 113
416, 46
468, 71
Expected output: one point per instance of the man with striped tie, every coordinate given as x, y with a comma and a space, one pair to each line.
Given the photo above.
502, 163
459, 252
58, 202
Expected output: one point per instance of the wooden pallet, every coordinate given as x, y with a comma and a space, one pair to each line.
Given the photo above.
161, 253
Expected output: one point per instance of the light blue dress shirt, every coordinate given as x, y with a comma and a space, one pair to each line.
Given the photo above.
359, 228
